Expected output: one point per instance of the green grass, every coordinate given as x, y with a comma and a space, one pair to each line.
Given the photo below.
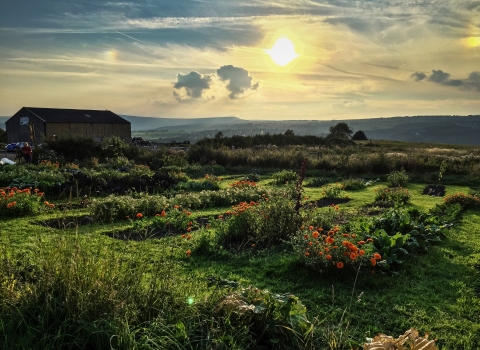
437, 292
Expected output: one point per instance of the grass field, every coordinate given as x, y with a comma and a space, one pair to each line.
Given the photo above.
81, 287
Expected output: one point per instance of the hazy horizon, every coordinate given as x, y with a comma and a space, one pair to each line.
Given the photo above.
282, 60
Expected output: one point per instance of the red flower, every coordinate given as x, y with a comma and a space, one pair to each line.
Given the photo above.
340, 265
328, 257
139, 215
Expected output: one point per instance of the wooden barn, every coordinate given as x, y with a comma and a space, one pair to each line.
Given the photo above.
31, 123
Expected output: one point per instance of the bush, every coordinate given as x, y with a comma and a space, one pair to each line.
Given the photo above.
394, 196
320, 181
15, 202
398, 178
266, 222
284, 176
332, 191
331, 249
354, 184
463, 199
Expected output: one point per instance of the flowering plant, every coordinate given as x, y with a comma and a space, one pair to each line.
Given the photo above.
17, 202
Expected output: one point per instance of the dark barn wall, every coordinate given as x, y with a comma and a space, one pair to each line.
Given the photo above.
98, 131
18, 128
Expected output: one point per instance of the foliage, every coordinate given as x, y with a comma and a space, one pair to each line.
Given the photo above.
463, 199
353, 184
208, 183
359, 136
320, 181
332, 191
332, 249
75, 148
15, 202
264, 312
243, 183
266, 222
398, 178
392, 196
340, 130
284, 176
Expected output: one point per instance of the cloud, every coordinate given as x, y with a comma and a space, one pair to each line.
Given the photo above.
191, 86
349, 103
418, 76
238, 80
438, 76
472, 83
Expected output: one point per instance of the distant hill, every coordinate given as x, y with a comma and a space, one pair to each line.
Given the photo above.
2, 122
146, 123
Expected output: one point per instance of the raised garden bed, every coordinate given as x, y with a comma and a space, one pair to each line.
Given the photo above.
434, 190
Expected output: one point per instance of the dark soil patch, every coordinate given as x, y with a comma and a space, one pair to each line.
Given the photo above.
434, 190
327, 202
66, 222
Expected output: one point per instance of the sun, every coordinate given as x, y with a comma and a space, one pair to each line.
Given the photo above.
282, 52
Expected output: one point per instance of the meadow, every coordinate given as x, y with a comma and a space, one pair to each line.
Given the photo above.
266, 248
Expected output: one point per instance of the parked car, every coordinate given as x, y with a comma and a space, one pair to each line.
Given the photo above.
11, 147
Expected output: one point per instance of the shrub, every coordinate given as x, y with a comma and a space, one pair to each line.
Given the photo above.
284, 176
332, 191
394, 196
243, 184
465, 200
332, 249
398, 178
266, 222
320, 181
15, 202
354, 184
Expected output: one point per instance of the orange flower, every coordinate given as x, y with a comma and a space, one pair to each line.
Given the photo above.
345, 235
330, 240
339, 265
189, 252
310, 227
51, 205
361, 242
373, 261
328, 257
139, 215
189, 237
315, 234
320, 253
9, 205
183, 236
253, 245
326, 249
157, 215
189, 229
220, 216
377, 256
307, 254
207, 226
335, 247
353, 256
361, 252
369, 240
310, 243
46, 203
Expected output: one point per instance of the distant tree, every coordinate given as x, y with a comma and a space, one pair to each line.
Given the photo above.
359, 136
219, 135
289, 132
3, 136
341, 131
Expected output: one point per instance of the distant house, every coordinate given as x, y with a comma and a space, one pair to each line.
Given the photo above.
53, 122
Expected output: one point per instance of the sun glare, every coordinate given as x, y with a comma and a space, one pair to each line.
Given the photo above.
282, 52
472, 41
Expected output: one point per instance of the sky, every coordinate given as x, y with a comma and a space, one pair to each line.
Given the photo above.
256, 59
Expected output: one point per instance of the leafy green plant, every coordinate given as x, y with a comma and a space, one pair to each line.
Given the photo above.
394, 196
15, 202
284, 176
266, 222
319, 181
332, 191
464, 199
398, 178
353, 184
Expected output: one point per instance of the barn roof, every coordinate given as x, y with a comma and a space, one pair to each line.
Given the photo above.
57, 115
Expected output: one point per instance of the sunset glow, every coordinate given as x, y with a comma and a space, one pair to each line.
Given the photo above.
282, 52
